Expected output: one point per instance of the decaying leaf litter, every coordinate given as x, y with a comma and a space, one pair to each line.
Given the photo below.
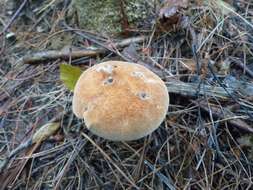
201, 49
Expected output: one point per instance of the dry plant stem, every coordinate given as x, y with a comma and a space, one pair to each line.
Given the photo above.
63, 54
128, 41
72, 157
54, 54
93, 39
109, 159
165, 179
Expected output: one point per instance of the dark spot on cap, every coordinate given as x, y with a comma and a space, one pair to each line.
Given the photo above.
143, 95
85, 109
108, 81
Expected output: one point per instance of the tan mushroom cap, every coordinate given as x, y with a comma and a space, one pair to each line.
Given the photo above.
120, 101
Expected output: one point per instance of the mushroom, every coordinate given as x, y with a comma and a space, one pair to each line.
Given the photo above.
120, 101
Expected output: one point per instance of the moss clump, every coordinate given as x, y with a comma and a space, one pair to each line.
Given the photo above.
105, 16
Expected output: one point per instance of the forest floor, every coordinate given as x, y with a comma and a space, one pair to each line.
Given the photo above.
203, 50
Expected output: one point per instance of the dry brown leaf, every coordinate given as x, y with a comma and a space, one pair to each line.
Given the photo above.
171, 8
172, 13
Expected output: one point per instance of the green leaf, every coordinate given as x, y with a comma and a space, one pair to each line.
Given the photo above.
69, 75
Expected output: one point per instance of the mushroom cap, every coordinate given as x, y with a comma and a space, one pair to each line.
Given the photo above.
120, 101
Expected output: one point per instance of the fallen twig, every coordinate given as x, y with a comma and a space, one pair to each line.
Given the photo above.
66, 54
54, 54
191, 89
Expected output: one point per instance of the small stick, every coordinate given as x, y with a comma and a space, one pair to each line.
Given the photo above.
53, 54
65, 54
192, 89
